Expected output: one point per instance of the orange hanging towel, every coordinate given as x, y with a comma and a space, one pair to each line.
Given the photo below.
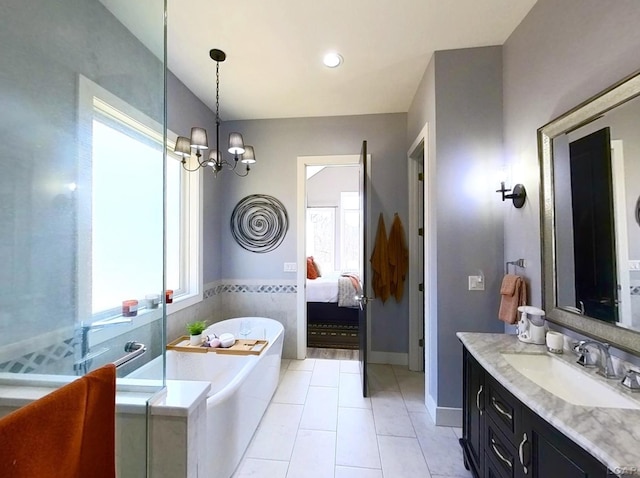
69, 433
398, 258
380, 263
513, 294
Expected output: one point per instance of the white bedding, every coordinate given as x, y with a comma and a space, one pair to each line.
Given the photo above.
323, 289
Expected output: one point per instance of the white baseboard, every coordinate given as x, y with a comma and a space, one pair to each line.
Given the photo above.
391, 358
444, 416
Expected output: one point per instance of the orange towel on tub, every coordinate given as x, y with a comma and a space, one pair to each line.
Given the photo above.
513, 294
69, 433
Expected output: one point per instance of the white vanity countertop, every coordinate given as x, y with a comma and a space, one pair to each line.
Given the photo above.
612, 435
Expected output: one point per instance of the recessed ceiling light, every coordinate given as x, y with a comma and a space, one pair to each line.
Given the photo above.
332, 60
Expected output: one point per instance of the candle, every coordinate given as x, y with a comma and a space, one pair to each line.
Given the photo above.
153, 300
129, 308
168, 296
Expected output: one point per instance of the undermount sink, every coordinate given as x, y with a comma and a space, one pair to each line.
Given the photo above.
567, 382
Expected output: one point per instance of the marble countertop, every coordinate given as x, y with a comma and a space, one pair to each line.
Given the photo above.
612, 435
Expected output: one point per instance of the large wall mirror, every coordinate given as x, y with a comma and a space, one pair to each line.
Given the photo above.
590, 167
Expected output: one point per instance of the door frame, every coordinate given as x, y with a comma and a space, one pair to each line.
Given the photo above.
620, 227
419, 302
301, 216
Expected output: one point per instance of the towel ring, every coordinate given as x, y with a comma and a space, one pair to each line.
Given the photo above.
517, 263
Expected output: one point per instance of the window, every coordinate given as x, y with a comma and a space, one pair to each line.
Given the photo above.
351, 237
121, 255
321, 236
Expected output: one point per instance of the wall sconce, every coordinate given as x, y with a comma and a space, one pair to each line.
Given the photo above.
518, 195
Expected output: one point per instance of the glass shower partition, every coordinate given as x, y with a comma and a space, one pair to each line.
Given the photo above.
82, 174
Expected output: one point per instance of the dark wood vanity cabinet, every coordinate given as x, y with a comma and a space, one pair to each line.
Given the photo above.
503, 438
473, 409
553, 454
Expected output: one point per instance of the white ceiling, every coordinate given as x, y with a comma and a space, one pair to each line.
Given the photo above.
274, 49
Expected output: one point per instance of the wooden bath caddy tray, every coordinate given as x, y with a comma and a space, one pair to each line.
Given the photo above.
241, 347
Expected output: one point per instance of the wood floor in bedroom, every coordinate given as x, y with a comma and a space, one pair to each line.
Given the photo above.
332, 354
318, 425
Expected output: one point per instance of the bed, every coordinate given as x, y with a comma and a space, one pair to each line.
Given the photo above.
332, 311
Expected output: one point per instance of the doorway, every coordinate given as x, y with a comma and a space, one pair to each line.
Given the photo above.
594, 247
330, 235
418, 291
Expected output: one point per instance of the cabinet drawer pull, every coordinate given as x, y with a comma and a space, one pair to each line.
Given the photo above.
478, 399
521, 453
500, 408
494, 445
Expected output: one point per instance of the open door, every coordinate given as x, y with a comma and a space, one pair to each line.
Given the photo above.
362, 316
593, 229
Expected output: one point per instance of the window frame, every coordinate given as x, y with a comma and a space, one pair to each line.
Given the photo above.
344, 197
91, 95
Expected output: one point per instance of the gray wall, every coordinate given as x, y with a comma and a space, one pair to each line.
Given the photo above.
464, 154
45, 46
563, 52
324, 188
277, 144
184, 111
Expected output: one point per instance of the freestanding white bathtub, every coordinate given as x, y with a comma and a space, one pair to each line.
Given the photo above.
241, 388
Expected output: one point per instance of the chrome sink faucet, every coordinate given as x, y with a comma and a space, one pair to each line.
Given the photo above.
605, 364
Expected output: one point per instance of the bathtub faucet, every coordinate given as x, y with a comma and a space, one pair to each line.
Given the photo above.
83, 356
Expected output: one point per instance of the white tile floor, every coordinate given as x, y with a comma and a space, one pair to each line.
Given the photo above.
318, 425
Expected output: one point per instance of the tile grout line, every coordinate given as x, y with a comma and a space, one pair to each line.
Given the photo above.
394, 373
297, 432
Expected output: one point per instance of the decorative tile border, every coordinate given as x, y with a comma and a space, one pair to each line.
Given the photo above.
277, 288
212, 291
34, 361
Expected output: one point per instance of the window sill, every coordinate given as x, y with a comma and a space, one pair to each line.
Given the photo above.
145, 316
103, 334
183, 302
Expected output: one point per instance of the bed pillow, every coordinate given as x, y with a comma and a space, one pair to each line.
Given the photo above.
315, 264
312, 272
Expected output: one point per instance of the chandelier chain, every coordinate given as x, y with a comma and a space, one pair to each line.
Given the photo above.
217, 93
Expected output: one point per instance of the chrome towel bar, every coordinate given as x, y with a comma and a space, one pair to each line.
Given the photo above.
134, 349
516, 263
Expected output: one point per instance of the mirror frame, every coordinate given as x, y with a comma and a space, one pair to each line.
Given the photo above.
617, 335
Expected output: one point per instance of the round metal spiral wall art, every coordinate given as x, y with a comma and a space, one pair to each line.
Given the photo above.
259, 223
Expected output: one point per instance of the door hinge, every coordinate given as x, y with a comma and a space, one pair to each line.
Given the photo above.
420, 231
421, 287
421, 343
420, 177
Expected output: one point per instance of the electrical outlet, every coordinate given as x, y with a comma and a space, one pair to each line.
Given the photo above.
634, 265
290, 267
476, 283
